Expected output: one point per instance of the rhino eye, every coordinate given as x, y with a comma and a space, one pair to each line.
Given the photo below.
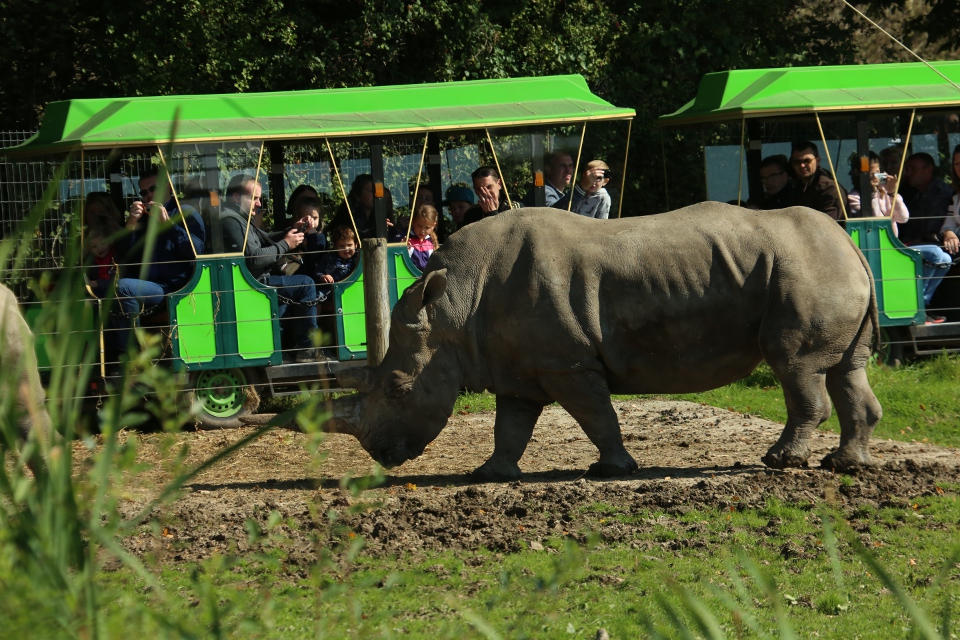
401, 384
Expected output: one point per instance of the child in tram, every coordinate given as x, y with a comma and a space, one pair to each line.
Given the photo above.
104, 268
334, 266
420, 245
314, 240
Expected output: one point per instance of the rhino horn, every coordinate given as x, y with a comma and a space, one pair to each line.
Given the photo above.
345, 415
359, 378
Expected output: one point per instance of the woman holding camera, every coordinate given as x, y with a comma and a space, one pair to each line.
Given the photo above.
590, 198
884, 191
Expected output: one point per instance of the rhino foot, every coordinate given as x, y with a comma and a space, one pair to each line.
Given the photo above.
495, 471
847, 463
782, 458
613, 469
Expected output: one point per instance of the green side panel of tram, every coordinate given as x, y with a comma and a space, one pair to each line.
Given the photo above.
896, 271
224, 319
255, 338
85, 326
348, 296
196, 332
406, 272
902, 285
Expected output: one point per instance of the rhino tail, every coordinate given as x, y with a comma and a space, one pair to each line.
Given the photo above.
874, 311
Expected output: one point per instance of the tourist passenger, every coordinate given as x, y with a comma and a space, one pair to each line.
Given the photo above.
361, 199
170, 263
950, 231
302, 191
951, 226
459, 199
337, 265
890, 159
103, 270
928, 201
778, 188
590, 198
101, 228
421, 244
884, 205
558, 173
298, 294
815, 187
314, 240
100, 211
491, 198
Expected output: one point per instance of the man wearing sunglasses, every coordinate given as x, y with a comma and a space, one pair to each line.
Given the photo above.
778, 189
815, 187
169, 264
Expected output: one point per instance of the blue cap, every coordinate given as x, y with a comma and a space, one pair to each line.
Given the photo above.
464, 194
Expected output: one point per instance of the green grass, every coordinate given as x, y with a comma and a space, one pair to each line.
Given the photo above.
920, 400
573, 590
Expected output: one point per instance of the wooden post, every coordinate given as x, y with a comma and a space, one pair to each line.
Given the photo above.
376, 298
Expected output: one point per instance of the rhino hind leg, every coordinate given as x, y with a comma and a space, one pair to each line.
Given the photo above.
512, 430
859, 412
586, 396
808, 406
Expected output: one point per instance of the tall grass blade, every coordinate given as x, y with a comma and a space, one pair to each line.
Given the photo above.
481, 625
919, 619
679, 624
705, 620
830, 541
770, 590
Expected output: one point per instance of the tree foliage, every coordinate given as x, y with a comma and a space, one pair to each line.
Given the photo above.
647, 55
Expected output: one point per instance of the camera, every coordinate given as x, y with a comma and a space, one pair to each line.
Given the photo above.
607, 174
881, 176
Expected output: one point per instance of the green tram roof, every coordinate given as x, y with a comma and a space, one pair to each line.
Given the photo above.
143, 121
766, 93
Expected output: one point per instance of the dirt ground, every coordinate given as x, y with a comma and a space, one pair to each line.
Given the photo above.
690, 456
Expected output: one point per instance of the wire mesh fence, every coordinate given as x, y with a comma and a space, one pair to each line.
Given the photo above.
199, 176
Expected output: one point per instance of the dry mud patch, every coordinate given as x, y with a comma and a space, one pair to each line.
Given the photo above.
691, 456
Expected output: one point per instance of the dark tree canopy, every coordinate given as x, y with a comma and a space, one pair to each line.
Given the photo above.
648, 55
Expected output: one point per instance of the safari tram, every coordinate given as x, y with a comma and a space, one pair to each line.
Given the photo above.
854, 114
221, 331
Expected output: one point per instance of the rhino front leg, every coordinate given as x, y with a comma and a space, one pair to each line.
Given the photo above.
512, 430
586, 396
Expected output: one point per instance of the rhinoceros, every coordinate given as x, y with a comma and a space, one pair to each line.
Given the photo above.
19, 379
540, 306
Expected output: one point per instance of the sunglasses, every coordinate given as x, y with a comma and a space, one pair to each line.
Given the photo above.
799, 161
148, 191
771, 176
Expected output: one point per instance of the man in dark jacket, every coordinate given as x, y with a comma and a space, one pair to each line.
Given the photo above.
298, 293
491, 198
778, 188
147, 278
815, 187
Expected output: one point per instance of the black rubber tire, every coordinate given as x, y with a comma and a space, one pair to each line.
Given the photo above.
224, 397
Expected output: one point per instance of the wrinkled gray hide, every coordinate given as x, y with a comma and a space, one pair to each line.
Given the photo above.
539, 305
19, 379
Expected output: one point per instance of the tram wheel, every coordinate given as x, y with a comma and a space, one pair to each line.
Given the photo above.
224, 396
892, 345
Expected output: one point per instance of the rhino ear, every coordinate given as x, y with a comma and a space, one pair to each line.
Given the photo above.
359, 378
434, 284
425, 291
